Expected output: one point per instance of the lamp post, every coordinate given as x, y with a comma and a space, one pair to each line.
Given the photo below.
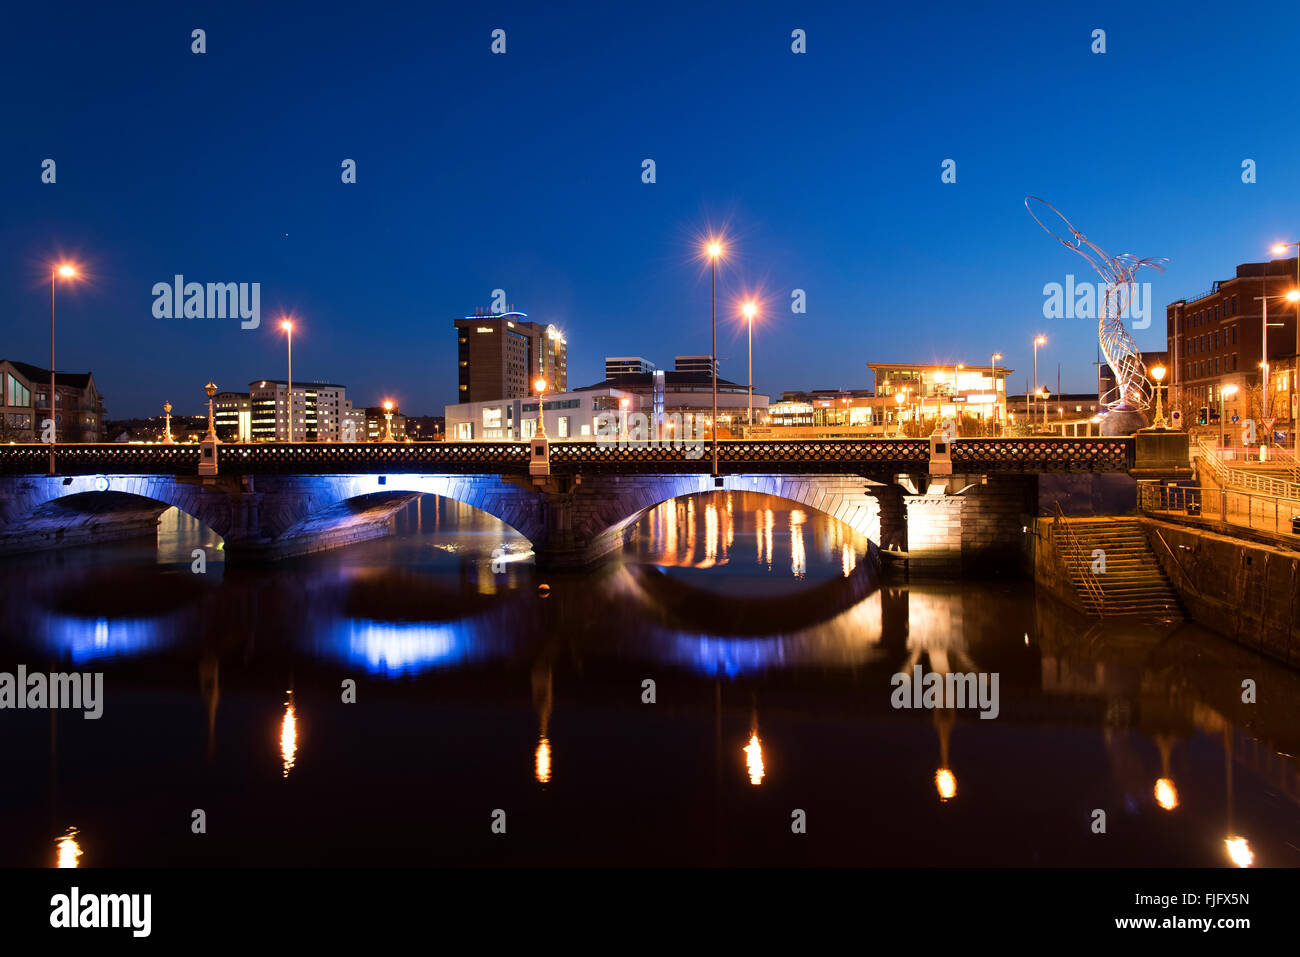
211, 390
1158, 373
623, 404
749, 309
287, 326
1038, 341
714, 250
1292, 296
167, 421
388, 420
539, 386
898, 400
1280, 249
993, 372
62, 271
1227, 390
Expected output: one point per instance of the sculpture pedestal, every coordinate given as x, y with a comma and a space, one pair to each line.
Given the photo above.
1123, 420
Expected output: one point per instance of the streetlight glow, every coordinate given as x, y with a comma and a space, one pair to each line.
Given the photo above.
67, 271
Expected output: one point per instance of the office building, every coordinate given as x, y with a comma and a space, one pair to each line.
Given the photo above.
616, 366
318, 411
498, 356
568, 415
233, 416
700, 364
1216, 348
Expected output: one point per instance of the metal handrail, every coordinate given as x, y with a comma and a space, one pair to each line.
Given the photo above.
1241, 478
1075, 552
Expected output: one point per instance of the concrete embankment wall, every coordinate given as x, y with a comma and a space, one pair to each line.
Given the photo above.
1246, 591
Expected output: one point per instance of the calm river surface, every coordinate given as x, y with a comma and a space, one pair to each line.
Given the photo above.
480, 697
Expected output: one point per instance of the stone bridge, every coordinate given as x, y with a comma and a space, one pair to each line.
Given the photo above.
938, 502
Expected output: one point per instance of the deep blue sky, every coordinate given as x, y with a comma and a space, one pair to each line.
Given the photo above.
523, 172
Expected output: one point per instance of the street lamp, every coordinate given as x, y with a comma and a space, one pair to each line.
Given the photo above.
539, 386
1280, 249
1227, 390
1041, 394
1158, 373
899, 399
388, 420
211, 390
287, 326
749, 309
167, 423
1038, 341
1292, 296
714, 252
62, 271
623, 404
993, 372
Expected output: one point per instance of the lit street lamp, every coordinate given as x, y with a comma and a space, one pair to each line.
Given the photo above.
539, 386
1280, 249
1158, 373
993, 372
211, 390
714, 251
1038, 341
1227, 390
623, 404
287, 326
1292, 296
167, 424
749, 310
899, 399
388, 420
62, 271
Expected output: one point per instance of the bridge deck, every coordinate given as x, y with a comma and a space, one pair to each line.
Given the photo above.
860, 456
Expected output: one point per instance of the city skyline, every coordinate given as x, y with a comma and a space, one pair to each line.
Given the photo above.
457, 197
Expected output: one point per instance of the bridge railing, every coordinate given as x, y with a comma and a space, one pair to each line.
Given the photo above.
103, 457
866, 456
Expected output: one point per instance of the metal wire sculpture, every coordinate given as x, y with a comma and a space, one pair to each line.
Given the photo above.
1133, 390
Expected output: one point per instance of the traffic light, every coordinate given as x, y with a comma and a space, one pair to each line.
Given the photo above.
1203, 417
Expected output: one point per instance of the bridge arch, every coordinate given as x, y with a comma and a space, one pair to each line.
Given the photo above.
38, 511
609, 508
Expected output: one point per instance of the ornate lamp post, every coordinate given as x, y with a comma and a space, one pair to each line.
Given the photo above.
167, 424
899, 399
1038, 341
623, 404
539, 386
388, 420
1158, 373
211, 390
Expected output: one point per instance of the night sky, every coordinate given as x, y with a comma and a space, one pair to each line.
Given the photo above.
523, 172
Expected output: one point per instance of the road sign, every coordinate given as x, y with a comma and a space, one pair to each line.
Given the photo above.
1268, 423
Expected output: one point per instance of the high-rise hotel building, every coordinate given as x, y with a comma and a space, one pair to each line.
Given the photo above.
499, 355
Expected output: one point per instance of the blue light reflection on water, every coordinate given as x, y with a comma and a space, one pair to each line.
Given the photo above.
95, 639
396, 648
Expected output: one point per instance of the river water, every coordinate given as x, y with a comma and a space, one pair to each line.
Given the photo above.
721, 695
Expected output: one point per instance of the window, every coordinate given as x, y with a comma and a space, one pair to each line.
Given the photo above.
563, 430
1234, 335
1234, 305
18, 394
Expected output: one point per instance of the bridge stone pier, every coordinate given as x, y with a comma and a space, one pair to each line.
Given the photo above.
926, 503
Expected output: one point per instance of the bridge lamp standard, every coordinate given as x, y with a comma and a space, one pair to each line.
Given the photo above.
623, 403
211, 390
61, 271
167, 424
1158, 373
388, 420
539, 386
899, 399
